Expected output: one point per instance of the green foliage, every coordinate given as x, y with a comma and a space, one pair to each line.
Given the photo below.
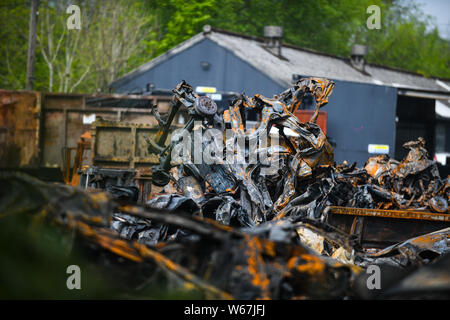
115, 37
13, 44
407, 38
187, 19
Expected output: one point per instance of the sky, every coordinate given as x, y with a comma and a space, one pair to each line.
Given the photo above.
440, 10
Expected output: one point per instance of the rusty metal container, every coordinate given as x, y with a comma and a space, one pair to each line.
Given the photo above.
39, 130
305, 115
20, 124
376, 228
123, 144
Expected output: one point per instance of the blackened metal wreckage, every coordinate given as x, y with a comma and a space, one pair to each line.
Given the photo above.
287, 223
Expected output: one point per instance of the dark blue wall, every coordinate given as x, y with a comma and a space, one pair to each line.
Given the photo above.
227, 72
358, 114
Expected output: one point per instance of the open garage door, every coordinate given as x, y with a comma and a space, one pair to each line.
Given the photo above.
415, 118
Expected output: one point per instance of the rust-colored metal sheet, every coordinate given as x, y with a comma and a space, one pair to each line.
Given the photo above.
66, 118
306, 115
395, 214
375, 228
19, 128
123, 145
37, 129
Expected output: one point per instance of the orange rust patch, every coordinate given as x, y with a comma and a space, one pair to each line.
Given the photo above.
312, 266
269, 248
255, 261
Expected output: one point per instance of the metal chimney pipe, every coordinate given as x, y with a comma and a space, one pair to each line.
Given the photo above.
358, 53
273, 36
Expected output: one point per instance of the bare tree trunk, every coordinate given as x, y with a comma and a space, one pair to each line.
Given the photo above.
31, 45
112, 33
49, 52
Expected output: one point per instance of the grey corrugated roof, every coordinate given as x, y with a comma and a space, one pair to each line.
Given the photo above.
297, 61
159, 59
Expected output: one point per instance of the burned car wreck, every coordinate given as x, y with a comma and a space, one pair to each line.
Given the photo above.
249, 179
261, 211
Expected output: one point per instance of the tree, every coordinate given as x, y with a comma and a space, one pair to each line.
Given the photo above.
13, 44
323, 25
180, 20
118, 36
115, 37
59, 47
406, 40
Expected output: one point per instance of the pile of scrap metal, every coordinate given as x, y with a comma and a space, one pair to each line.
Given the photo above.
304, 181
411, 183
194, 252
268, 261
248, 220
232, 188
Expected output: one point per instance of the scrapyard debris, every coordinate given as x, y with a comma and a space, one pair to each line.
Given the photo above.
295, 175
262, 262
412, 183
419, 250
223, 262
246, 212
254, 176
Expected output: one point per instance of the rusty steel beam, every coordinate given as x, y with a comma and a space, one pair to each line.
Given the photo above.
395, 214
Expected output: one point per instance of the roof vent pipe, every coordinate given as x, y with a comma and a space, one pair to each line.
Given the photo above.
357, 57
207, 29
273, 36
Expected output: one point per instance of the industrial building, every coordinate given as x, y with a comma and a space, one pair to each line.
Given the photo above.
374, 109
